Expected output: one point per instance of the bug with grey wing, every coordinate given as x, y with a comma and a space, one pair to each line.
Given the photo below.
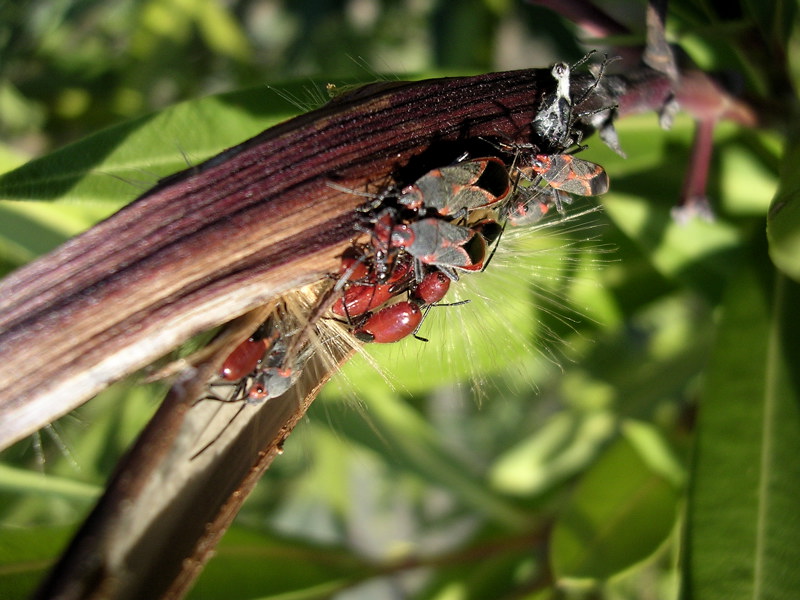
553, 178
456, 189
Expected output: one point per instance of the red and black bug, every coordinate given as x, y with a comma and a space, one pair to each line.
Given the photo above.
243, 360
276, 373
533, 204
270, 382
430, 241
458, 188
258, 369
569, 174
360, 298
438, 243
561, 175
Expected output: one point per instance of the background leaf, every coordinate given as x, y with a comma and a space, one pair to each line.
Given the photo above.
783, 226
622, 511
564, 394
741, 535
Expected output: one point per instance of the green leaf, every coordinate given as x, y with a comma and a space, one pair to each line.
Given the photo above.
25, 481
783, 225
25, 556
115, 164
622, 510
646, 187
743, 525
487, 569
775, 18
249, 564
563, 446
409, 441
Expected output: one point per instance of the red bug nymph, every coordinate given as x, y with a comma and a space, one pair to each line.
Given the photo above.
362, 297
246, 356
244, 362
390, 324
433, 287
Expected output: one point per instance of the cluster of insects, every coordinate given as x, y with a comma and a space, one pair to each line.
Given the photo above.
420, 234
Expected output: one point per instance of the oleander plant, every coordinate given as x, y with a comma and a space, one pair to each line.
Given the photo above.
610, 409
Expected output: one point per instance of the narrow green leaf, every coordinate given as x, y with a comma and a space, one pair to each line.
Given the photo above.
774, 17
250, 564
26, 481
25, 556
743, 523
783, 226
621, 512
116, 164
793, 58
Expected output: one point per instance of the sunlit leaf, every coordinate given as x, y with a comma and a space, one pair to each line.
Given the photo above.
562, 447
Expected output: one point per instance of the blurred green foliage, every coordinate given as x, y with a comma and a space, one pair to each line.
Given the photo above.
615, 415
